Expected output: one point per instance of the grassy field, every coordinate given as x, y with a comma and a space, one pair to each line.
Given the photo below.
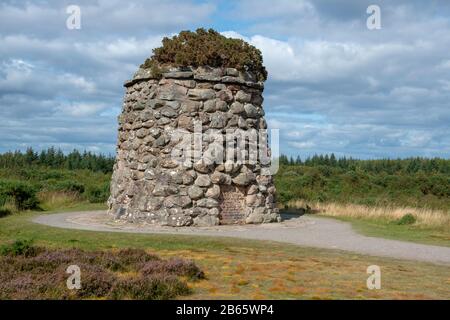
381, 229
245, 269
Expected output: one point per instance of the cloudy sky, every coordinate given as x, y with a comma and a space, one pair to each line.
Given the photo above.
334, 85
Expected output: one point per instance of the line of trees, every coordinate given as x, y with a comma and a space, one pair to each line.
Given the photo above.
56, 159
414, 182
389, 166
411, 182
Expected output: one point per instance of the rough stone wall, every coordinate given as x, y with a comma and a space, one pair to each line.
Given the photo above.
147, 184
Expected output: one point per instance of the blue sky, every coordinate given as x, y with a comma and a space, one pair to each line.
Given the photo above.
334, 86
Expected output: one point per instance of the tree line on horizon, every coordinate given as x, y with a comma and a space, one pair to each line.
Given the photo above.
57, 159
389, 166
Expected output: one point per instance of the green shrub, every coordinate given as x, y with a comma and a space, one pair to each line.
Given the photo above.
3, 198
98, 194
18, 248
22, 193
4, 212
207, 48
284, 196
406, 219
47, 175
68, 185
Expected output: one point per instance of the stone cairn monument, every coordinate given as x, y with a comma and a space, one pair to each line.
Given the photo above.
151, 184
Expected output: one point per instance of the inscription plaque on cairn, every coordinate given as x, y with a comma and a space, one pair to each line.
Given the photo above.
150, 184
232, 204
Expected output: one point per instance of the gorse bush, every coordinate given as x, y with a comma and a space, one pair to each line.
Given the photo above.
22, 194
207, 48
70, 186
406, 219
4, 212
98, 193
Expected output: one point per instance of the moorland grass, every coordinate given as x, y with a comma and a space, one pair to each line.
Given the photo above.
419, 225
250, 269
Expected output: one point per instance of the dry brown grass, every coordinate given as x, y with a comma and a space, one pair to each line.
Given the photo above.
10, 207
58, 199
424, 217
280, 272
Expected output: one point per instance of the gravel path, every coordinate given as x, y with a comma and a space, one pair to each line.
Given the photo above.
304, 231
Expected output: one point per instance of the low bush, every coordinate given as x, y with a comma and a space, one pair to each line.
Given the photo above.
21, 193
69, 186
4, 212
18, 248
98, 193
177, 267
29, 272
406, 219
153, 287
136, 257
95, 281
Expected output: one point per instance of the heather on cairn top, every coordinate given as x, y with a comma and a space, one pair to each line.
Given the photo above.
206, 48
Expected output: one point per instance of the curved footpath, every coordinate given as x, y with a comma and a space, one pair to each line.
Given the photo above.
308, 231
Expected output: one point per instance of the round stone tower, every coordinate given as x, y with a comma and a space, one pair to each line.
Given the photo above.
185, 153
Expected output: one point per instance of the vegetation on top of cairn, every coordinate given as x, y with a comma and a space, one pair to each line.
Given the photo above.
206, 48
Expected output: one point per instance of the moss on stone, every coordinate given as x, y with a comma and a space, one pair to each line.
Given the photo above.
207, 48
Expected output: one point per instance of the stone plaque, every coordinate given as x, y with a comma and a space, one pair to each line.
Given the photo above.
231, 205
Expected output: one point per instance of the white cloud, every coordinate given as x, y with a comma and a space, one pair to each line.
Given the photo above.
82, 109
19, 75
333, 86
303, 145
119, 49
105, 18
